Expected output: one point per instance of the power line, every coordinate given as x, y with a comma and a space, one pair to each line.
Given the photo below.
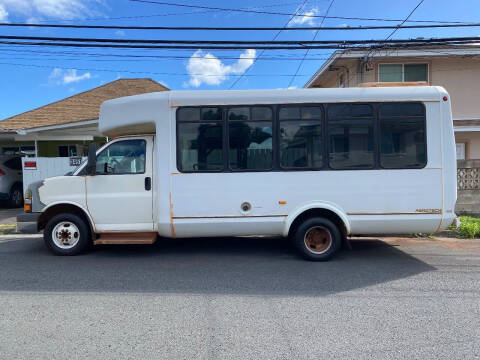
195, 46
188, 74
274, 38
241, 42
288, 14
132, 53
403, 22
138, 72
208, 28
153, 57
306, 52
406, 19
174, 14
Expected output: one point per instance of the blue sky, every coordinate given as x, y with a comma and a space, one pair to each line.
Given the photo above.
35, 76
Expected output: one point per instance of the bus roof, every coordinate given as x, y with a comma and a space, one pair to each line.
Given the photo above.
139, 113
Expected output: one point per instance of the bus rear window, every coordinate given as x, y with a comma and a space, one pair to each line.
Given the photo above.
402, 136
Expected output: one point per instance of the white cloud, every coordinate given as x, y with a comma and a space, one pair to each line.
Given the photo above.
59, 9
120, 33
3, 13
65, 77
305, 18
208, 69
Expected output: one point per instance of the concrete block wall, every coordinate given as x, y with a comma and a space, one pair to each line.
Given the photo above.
468, 197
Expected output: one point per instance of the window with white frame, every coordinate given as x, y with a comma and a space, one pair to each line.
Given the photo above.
460, 148
402, 72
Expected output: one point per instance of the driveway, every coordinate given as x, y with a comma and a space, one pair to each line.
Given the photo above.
241, 298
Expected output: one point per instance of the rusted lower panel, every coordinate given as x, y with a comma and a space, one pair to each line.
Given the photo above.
126, 238
172, 227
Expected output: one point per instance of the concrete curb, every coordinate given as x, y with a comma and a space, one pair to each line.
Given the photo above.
20, 236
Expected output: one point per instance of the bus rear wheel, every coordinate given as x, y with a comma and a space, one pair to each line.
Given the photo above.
317, 239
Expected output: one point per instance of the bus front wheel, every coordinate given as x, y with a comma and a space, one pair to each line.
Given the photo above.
317, 239
66, 234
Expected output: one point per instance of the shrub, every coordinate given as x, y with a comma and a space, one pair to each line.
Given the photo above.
469, 227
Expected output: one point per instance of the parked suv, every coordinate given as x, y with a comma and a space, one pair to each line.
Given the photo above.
11, 180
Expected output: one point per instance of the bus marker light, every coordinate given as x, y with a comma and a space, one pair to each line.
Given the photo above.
282, 202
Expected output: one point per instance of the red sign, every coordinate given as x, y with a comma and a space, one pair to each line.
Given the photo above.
30, 165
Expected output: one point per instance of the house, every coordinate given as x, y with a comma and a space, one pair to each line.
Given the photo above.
456, 68
65, 128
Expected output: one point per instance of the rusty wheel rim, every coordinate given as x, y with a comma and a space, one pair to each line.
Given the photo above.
65, 235
318, 240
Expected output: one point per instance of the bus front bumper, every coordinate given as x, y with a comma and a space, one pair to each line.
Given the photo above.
27, 223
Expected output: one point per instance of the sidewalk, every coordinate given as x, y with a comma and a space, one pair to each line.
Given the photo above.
9, 216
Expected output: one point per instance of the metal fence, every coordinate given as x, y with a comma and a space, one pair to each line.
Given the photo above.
35, 169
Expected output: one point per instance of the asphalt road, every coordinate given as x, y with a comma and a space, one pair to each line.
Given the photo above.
241, 299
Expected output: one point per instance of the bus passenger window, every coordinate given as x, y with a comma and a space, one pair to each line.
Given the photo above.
301, 142
200, 139
402, 136
250, 138
351, 141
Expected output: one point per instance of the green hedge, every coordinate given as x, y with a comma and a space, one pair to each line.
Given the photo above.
469, 227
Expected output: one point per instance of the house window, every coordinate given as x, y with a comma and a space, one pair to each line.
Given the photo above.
67, 150
26, 150
402, 72
460, 147
341, 81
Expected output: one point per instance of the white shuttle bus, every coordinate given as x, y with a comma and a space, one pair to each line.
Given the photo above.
315, 165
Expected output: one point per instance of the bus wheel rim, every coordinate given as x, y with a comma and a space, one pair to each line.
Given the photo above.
65, 235
318, 240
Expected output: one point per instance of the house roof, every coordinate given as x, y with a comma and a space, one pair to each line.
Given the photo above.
79, 107
430, 51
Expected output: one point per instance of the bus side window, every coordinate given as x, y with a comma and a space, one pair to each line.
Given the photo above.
402, 136
351, 140
301, 137
250, 138
200, 139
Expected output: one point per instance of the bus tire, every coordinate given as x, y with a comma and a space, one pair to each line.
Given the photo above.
317, 239
67, 234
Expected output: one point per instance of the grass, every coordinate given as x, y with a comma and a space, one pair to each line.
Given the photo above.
469, 227
6, 229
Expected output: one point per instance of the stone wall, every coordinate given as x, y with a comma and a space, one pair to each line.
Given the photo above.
468, 185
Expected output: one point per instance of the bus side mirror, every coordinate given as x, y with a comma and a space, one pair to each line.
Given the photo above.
92, 160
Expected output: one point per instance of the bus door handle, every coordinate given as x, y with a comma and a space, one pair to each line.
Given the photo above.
148, 183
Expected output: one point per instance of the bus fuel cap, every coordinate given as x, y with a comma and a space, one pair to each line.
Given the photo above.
246, 206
